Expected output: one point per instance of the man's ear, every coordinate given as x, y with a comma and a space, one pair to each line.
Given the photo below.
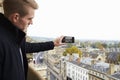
15, 17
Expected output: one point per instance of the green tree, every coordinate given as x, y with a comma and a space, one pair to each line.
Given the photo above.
104, 45
119, 57
119, 44
64, 54
71, 50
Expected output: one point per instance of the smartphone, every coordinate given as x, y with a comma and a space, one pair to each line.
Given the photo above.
68, 39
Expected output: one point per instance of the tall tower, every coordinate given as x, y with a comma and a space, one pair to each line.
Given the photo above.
111, 69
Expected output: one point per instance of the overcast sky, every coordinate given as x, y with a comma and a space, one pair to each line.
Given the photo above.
83, 19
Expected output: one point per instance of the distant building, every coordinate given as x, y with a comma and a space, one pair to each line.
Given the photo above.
76, 71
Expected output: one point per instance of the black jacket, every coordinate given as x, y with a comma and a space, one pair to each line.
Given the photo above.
11, 41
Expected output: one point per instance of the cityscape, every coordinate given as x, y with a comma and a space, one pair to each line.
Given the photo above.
82, 60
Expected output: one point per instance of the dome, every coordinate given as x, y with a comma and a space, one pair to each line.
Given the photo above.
112, 57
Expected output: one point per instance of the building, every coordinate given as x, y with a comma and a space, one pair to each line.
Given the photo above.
77, 71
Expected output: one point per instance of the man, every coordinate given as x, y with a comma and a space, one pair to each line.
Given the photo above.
18, 15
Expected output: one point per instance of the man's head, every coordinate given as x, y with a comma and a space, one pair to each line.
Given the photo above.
20, 12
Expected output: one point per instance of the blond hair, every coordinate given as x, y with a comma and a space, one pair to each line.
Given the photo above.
18, 6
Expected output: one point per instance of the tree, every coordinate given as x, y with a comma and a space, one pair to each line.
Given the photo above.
71, 50
64, 54
104, 45
119, 57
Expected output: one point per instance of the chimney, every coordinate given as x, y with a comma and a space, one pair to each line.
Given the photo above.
78, 60
70, 57
93, 62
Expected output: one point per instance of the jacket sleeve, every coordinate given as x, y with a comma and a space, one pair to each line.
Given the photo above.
1, 61
37, 47
0, 70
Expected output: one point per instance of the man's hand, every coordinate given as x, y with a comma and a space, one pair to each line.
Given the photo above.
58, 41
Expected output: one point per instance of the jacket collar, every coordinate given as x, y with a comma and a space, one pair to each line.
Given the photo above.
17, 33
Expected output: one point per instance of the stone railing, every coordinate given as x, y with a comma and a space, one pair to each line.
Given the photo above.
33, 74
